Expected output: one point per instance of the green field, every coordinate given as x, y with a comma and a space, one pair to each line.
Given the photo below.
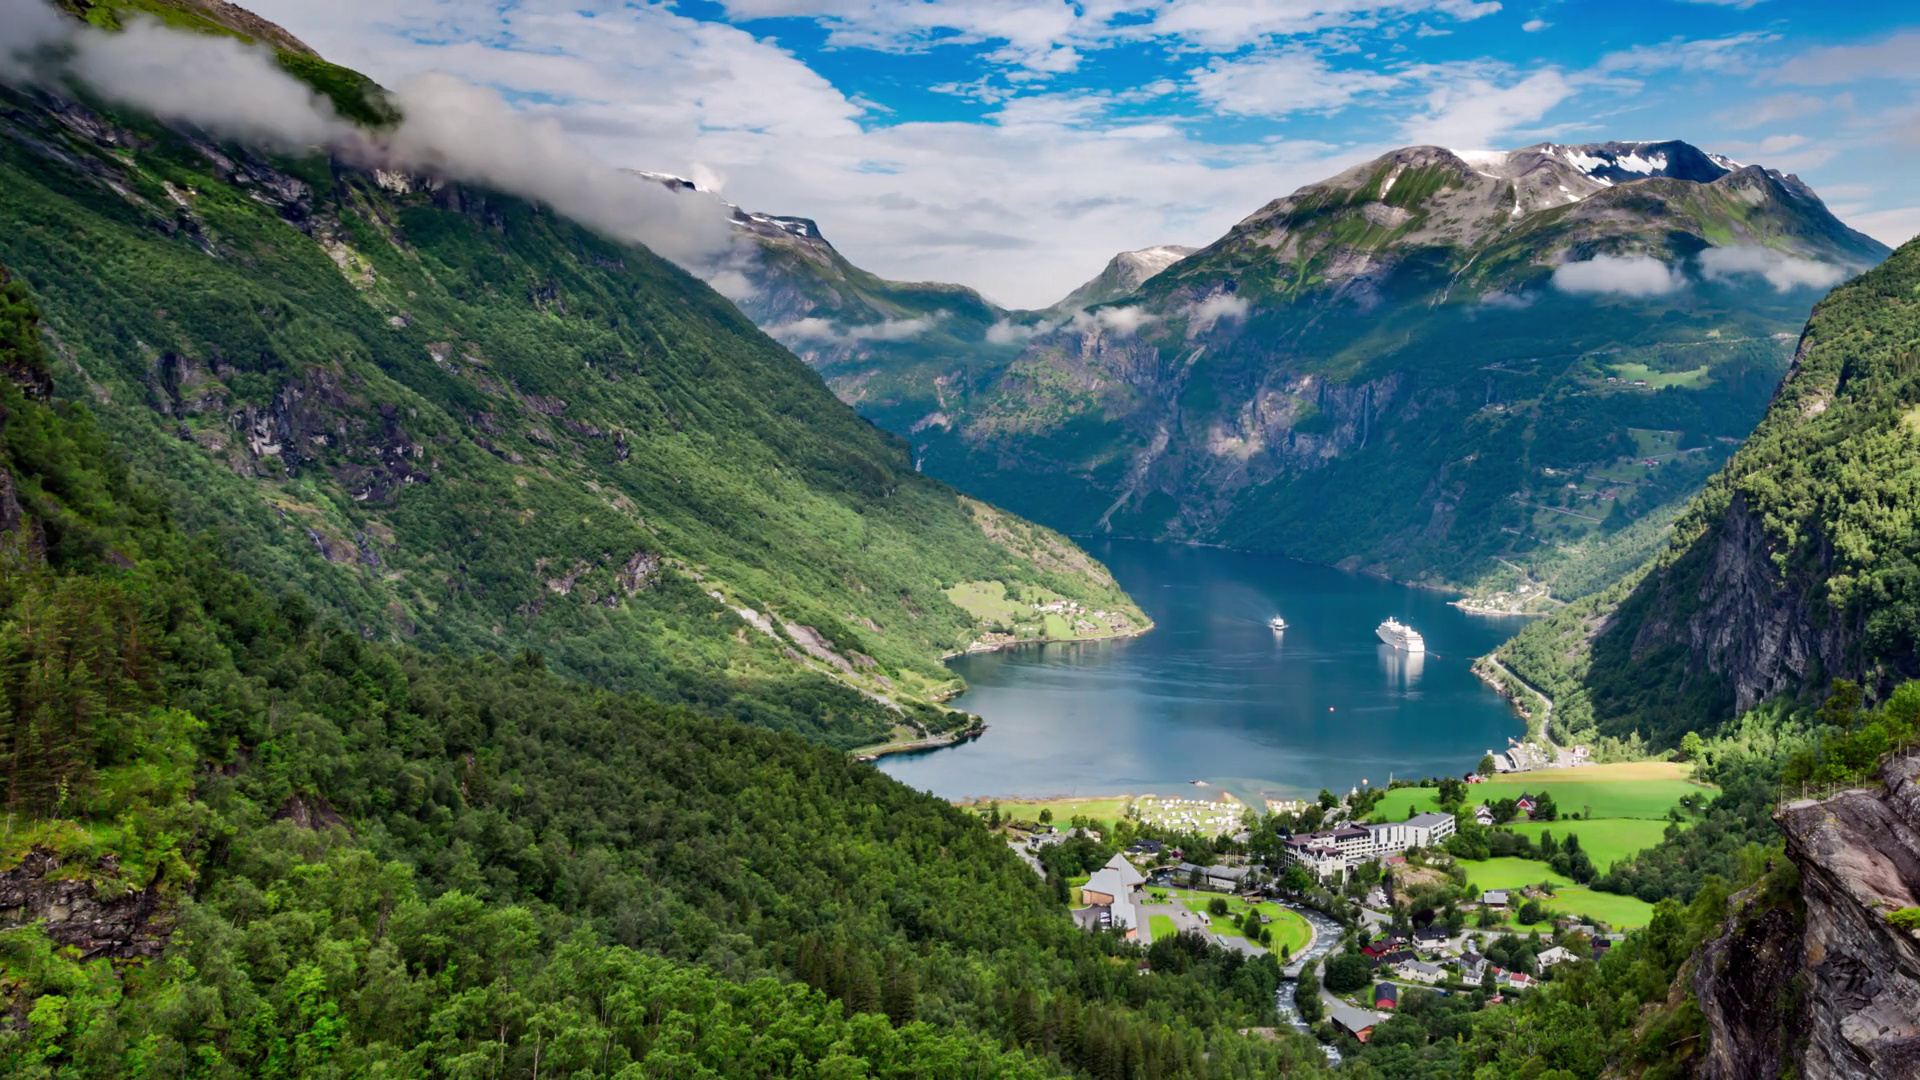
1658, 380
1644, 789
1105, 808
1509, 873
1290, 929
1605, 840
1160, 926
988, 601
1620, 912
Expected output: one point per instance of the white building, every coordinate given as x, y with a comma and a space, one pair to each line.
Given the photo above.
1420, 971
1430, 829
1112, 886
1555, 955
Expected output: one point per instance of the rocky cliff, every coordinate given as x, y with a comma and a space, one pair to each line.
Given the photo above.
1796, 564
68, 899
1833, 992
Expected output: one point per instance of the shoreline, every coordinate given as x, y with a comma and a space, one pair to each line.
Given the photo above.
927, 744
977, 648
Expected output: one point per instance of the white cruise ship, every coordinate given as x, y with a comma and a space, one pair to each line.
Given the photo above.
1401, 636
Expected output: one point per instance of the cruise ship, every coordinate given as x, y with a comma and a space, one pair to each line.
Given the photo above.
1401, 636
1276, 623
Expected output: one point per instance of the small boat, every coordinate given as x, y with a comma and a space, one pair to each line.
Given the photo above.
1276, 623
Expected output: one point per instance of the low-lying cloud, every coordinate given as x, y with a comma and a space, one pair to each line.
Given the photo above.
825, 330
1203, 315
449, 128
1782, 271
1619, 275
1116, 321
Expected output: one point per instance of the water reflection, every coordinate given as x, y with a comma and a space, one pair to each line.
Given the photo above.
1402, 668
1213, 694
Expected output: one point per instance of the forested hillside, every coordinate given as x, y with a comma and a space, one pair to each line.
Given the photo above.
465, 422
1796, 564
278, 849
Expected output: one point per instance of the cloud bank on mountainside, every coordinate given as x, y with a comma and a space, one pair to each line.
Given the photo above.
449, 128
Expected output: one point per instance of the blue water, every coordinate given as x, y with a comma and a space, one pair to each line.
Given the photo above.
1212, 694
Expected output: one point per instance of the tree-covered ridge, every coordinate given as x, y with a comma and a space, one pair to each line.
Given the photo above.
361, 858
466, 422
1795, 565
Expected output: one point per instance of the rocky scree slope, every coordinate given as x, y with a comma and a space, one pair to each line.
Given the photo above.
1794, 566
466, 422
1430, 363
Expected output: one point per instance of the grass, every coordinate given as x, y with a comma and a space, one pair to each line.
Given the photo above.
1160, 926
988, 602
1660, 379
1620, 912
1638, 789
1290, 929
1509, 873
1103, 808
1605, 840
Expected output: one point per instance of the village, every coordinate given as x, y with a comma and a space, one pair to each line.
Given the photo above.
1456, 886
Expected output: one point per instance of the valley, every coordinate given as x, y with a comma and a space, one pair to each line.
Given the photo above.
473, 605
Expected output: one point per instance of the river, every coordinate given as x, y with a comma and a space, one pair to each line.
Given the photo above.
1212, 694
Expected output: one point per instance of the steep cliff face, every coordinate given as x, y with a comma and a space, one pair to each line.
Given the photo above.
1797, 564
1858, 977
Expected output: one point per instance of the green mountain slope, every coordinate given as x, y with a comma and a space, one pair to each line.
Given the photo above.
1491, 372
468, 423
243, 841
1796, 564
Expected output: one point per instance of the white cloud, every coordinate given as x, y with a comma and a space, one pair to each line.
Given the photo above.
817, 329
1280, 83
1118, 321
1733, 53
1737, 5
1473, 107
1889, 59
1782, 271
1891, 227
1013, 333
1618, 275
1203, 315
1534, 26
1772, 110
450, 129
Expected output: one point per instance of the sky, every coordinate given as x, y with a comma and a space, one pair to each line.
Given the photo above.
1016, 145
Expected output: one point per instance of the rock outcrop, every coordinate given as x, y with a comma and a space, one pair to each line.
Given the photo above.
1846, 1002
43, 888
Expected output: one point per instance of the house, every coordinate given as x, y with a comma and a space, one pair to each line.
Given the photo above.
1555, 955
1526, 803
1520, 980
1494, 898
1358, 1023
1219, 878
1420, 971
1431, 937
1473, 968
1146, 847
1483, 815
1112, 887
1386, 996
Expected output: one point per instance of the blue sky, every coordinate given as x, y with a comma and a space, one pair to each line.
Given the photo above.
1014, 145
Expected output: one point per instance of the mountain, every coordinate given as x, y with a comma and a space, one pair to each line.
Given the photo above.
245, 841
1123, 274
469, 423
1796, 564
1511, 368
